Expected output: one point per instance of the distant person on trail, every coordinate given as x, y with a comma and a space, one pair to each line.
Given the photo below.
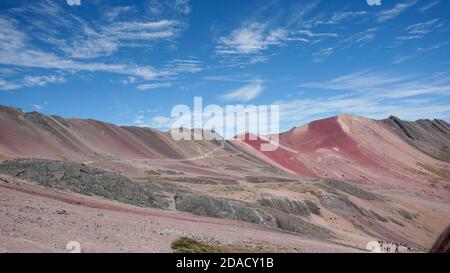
442, 244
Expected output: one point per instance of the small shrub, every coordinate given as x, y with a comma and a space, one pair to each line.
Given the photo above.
188, 245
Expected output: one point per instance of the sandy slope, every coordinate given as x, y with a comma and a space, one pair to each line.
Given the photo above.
34, 219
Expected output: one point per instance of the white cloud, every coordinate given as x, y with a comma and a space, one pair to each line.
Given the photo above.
245, 93
6, 85
248, 44
298, 112
372, 94
40, 59
159, 122
71, 42
253, 38
300, 10
129, 80
419, 52
419, 30
359, 39
182, 6
341, 16
146, 31
38, 107
399, 8
14, 50
162, 122
423, 27
242, 78
83, 39
73, 2
90, 43
90, 48
250, 39
429, 6
184, 65
311, 34
140, 119
385, 85
42, 80
408, 37
320, 55
150, 86
112, 13
158, 7
30, 81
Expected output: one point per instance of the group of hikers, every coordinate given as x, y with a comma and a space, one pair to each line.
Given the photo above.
390, 247
441, 245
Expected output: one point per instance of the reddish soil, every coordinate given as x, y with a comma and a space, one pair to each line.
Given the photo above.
34, 219
280, 156
352, 148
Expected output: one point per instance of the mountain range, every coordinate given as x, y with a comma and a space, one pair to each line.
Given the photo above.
336, 183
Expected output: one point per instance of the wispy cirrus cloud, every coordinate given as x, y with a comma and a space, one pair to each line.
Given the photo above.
248, 44
71, 41
73, 2
419, 52
15, 50
385, 85
358, 39
30, 81
185, 65
106, 40
82, 39
255, 38
113, 13
250, 39
398, 9
371, 94
298, 112
310, 34
144, 31
252, 43
419, 30
340, 16
150, 86
245, 93
429, 5
241, 78
320, 55
169, 6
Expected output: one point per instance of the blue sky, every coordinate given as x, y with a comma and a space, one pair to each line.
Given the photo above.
130, 62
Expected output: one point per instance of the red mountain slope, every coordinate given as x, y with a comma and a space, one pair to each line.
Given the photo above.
349, 147
344, 147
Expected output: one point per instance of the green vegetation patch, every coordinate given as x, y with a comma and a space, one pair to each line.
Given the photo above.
188, 245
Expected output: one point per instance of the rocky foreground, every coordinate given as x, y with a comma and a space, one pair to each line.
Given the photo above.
46, 204
36, 219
